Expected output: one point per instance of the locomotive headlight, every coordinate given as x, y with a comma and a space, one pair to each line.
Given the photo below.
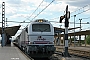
40, 21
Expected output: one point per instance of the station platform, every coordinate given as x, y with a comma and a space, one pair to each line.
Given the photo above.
12, 53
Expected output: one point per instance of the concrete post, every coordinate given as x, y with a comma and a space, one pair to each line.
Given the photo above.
85, 41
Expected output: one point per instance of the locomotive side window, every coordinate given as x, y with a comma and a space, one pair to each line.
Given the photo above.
41, 28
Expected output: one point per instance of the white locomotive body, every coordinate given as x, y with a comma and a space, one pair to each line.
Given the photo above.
37, 39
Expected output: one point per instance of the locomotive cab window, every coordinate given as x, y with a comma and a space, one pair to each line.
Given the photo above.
41, 28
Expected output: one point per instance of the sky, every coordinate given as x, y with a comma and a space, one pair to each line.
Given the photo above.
22, 10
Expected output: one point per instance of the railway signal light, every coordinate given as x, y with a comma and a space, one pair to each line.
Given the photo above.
61, 18
65, 16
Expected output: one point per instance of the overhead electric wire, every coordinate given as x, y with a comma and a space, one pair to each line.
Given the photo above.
75, 11
30, 15
43, 9
18, 22
36, 8
82, 11
81, 8
78, 13
85, 18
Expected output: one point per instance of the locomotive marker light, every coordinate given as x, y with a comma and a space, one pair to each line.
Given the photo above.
66, 16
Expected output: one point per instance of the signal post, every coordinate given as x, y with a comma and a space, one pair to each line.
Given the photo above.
66, 16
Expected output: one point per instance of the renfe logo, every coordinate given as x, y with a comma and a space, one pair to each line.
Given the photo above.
40, 38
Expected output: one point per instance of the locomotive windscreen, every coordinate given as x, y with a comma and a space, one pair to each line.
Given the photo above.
41, 28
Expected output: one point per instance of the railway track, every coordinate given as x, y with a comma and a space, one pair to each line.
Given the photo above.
81, 55
53, 57
76, 53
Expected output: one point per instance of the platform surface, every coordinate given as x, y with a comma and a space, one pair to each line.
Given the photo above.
11, 53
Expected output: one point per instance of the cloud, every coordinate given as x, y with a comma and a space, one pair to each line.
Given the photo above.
27, 7
17, 9
16, 16
77, 3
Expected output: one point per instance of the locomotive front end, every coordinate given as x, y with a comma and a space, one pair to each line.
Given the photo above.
41, 37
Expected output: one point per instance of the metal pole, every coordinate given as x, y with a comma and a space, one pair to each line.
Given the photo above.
66, 54
80, 35
74, 30
3, 24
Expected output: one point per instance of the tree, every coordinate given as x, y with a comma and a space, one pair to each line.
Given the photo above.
88, 39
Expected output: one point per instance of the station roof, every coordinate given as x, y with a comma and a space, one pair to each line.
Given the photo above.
63, 29
10, 30
87, 32
13, 30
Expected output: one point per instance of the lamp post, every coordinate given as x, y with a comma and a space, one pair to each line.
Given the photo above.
74, 30
80, 35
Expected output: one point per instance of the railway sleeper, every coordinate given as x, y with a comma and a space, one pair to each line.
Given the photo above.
82, 54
